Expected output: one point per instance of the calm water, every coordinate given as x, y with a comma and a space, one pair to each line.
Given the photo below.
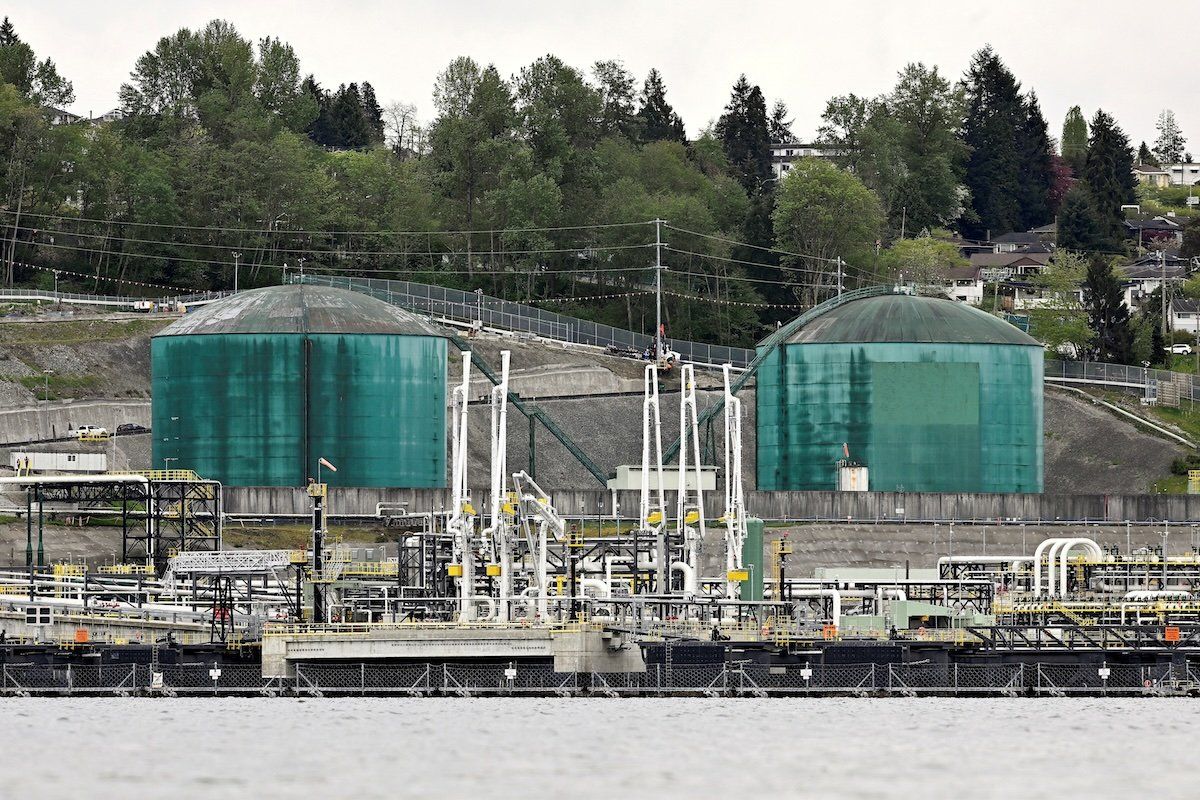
598, 748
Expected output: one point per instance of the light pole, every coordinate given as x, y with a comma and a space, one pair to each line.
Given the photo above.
236, 256
479, 307
46, 373
56, 298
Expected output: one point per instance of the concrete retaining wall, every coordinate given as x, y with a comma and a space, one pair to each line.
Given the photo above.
799, 506
54, 420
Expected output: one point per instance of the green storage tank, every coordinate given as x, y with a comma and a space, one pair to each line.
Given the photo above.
930, 394
254, 389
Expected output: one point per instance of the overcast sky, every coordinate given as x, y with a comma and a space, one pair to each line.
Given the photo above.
1094, 53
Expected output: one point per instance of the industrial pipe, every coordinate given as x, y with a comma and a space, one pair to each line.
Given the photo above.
1094, 549
834, 594
689, 577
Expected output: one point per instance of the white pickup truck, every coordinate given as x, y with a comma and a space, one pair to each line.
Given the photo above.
90, 432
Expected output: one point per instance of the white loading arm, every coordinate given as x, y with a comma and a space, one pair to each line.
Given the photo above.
735, 505
498, 536
462, 516
535, 505
690, 505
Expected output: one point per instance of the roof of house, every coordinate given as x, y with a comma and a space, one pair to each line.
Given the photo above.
1146, 222
1149, 169
1028, 237
1009, 259
1033, 248
1181, 306
962, 273
1153, 270
1050, 228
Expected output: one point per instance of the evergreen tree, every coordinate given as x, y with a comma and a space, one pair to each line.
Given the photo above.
1104, 301
348, 122
656, 120
746, 137
1108, 175
1036, 153
1144, 156
1190, 248
1075, 140
320, 130
1078, 230
995, 115
1168, 147
38, 81
372, 113
779, 124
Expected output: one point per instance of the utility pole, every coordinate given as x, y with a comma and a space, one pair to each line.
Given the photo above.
657, 289
839, 275
1162, 260
236, 256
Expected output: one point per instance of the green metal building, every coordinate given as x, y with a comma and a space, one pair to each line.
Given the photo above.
930, 394
254, 389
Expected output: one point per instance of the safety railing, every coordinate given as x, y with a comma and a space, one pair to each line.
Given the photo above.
1121, 377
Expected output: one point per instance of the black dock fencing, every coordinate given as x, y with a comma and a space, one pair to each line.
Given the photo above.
660, 680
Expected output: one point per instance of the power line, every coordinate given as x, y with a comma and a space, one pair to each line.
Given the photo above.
398, 270
845, 267
746, 244
350, 253
178, 226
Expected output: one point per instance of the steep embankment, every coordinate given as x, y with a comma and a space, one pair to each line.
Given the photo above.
87, 358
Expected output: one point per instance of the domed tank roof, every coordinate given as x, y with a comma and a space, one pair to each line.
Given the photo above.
302, 308
909, 318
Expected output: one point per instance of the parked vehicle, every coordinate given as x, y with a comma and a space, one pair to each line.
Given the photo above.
91, 432
130, 428
1181, 349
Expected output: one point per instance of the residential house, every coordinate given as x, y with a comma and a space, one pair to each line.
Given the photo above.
965, 284
1187, 174
1147, 228
1185, 315
1010, 242
784, 154
59, 116
111, 116
1146, 274
1151, 175
1011, 264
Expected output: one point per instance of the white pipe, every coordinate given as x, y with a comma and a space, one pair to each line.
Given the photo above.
1094, 549
1037, 562
599, 585
689, 577
32, 479
881, 591
1158, 594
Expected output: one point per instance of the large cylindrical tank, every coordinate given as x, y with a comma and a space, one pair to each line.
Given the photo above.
933, 395
253, 390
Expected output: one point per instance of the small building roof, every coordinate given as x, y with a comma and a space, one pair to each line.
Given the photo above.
1183, 306
301, 308
962, 273
1027, 237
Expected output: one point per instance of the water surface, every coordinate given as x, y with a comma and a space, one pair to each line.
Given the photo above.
268, 748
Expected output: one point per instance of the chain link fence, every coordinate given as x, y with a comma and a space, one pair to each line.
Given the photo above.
1159, 385
733, 679
493, 312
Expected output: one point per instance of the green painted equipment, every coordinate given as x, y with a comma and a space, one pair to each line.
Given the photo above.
254, 389
752, 560
931, 395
